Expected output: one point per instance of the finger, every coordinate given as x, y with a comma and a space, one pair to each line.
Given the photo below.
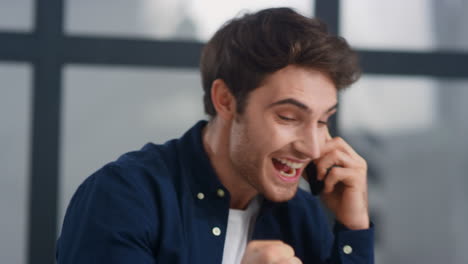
328, 135
338, 143
274, 253
259, 244
262, 251
337, 175
277, 246
333, 158
293, 260
283, 251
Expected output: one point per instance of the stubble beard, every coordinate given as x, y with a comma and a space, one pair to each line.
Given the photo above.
250, 168
245, 165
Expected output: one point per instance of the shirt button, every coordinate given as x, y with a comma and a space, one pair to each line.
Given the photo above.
347, 249
216, 231
200, 196
220, 193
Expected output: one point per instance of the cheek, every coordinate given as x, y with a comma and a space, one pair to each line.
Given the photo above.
282, 135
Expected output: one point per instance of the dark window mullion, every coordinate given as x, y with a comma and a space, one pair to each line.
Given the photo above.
17, 47
432, 64
328, 12
45, 132
87, 50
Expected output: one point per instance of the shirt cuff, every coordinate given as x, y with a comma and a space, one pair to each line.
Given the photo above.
354, 246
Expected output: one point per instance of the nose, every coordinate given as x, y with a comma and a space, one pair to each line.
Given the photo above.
309, 144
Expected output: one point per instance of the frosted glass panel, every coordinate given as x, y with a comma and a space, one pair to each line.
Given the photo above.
409, 105
15, 119
412, 131
162, 19
110, 111
405, 25
16, 15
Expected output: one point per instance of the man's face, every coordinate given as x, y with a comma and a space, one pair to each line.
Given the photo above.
283, 127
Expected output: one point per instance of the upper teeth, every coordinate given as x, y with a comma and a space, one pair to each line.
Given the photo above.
294, 165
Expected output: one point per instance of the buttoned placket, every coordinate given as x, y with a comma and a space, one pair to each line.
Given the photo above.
220, 193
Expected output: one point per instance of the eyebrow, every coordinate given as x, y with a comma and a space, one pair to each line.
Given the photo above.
299, 105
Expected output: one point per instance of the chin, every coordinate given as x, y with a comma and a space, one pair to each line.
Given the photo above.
281, 194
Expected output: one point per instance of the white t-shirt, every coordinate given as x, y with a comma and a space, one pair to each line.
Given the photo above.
239, 231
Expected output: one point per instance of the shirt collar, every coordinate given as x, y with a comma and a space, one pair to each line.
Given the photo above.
196, 164
197, 167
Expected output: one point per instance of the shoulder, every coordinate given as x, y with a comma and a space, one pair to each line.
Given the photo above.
120, 206
145, 168
151, 157
135, 178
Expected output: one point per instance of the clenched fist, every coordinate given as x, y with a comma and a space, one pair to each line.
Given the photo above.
269, 252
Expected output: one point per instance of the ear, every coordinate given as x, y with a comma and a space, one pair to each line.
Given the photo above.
223, 100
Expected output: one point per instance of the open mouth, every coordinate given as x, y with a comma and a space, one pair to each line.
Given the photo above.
287, 168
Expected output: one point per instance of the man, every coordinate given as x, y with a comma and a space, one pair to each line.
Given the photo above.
227, 191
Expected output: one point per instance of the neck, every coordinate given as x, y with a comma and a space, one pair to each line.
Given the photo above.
216, 135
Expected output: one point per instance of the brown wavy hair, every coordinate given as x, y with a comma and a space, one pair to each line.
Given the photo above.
245, 50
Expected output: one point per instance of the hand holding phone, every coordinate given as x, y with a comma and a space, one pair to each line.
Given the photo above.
343, 182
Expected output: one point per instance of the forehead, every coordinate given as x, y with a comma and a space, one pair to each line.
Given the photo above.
311, 87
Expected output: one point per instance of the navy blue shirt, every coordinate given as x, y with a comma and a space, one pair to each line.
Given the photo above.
147, 207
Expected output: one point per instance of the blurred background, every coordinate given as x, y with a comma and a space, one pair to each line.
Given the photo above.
83, 81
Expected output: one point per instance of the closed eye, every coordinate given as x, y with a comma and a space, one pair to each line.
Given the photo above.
324, 123
285, 118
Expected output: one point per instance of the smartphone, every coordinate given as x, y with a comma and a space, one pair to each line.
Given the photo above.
316, 186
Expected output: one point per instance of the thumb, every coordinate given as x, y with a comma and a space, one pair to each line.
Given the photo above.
328, 135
